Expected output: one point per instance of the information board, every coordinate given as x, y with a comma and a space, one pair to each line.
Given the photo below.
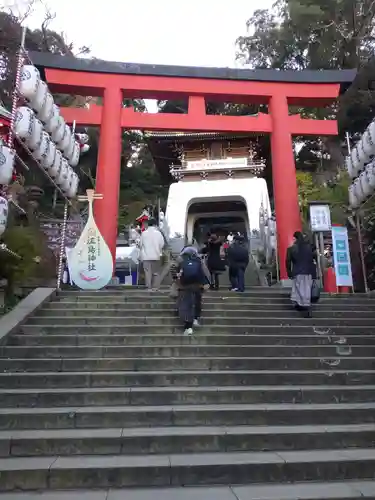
341, 256
320, 218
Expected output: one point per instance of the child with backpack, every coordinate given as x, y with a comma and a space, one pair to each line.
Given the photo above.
192, 281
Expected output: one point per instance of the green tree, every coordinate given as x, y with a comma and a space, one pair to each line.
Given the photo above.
335, 193
34, 260
309, 34
316, 34
43, 39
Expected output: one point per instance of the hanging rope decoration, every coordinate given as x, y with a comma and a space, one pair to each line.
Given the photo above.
62, 247
15, 100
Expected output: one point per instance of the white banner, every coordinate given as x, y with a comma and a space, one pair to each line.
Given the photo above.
320, 218
341, 256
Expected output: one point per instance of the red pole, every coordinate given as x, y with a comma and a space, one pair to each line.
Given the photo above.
109, 166
285, 192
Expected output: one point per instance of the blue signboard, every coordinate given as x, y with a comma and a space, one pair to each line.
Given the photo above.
341, 256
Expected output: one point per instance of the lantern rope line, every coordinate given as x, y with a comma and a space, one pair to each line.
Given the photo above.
62, 246
20, 62
22, 56
46, 174
4, 248
17, 206
357, 214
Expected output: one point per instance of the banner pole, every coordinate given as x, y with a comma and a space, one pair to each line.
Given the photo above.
318, 258
361, 253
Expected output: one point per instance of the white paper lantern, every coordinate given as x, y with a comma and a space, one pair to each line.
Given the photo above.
42, 151
74, 158
35, 139
72, 191
49, 158
59, 131
370, 169
52, 124
64, 144
68, 152
362, 156
7, 156
349, 167
54, 170
358, 191
23, 123
63, 175
355, 161
30, 79
365, 184
40, 98
368, 141
353, 201
4, 210
68, 181
46, 112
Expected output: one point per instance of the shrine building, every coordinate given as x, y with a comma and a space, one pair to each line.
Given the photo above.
216, 182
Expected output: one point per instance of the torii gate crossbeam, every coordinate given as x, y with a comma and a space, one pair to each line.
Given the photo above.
116, 81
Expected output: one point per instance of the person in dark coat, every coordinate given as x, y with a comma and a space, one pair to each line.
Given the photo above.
189, 300
215, 262
238, 260
301, 268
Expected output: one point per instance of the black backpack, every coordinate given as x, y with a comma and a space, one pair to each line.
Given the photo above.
191, 271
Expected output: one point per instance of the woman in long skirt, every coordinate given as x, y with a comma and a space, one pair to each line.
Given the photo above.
300, 266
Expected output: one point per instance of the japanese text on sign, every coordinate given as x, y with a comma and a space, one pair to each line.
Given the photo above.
320, 218
92, 250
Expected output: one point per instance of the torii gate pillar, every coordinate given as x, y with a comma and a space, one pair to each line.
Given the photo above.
285, 191
109, 167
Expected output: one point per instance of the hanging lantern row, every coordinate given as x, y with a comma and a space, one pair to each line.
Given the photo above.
44, 131
360, 165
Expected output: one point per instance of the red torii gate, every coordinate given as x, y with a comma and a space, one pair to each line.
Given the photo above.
116, 81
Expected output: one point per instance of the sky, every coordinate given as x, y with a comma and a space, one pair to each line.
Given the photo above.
175, 32
180, 32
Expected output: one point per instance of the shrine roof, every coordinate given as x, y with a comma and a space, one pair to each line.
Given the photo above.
46, 60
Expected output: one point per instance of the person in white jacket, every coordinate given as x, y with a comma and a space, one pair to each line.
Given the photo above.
151, 248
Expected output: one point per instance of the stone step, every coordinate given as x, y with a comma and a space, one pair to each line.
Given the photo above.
186, 415
45, 349
208, 314
165, 379
230, 301
169, 321
184, 469
192, 363
166, 304
82, 338
344, 490
232, 329
182, 395
174, 440
142, 291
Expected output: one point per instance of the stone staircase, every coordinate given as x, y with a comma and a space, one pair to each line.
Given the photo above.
101, 391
